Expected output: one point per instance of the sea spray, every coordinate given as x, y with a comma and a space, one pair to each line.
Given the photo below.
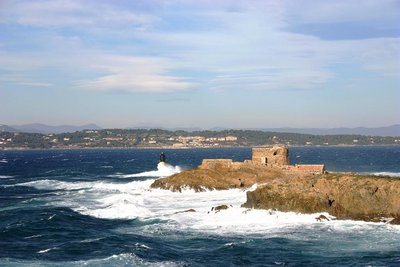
135, 200
163, 170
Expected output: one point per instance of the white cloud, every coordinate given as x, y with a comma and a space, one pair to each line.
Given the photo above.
133, 74
139, 82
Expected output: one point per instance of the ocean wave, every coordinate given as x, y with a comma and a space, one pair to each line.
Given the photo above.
46, 250
137, 200
6, 176
163, 170
107, 167
3, 161
129, 259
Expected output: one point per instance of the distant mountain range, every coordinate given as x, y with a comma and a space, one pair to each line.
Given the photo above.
393, 130
6, 128
47, 129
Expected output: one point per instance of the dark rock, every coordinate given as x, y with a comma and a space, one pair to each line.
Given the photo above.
395, 221
219, 208
321, 218
184, 211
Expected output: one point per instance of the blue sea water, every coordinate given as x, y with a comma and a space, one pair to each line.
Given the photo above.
96, 208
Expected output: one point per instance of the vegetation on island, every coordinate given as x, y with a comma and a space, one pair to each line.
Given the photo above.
154, 138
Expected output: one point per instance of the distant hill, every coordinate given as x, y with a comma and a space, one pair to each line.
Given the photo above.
47, 129
157, 126
393, 130
6, 128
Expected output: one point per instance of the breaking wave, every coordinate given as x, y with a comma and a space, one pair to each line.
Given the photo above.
163, 170
6, 176
184, 211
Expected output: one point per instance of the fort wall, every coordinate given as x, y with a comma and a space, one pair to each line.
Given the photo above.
310, 168
275, 156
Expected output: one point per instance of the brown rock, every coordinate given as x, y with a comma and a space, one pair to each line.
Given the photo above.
345, 196
395, 221
321, 218
189, 210
219, 177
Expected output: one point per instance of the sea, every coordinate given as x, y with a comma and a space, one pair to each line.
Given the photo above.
96, 208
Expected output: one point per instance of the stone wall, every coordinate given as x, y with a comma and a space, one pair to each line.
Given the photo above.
277, 155
311, 168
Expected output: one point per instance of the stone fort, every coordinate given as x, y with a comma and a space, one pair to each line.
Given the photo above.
273, 156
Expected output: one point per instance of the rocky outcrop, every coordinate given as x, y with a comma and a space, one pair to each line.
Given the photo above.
299, 188
345, 196
219, 177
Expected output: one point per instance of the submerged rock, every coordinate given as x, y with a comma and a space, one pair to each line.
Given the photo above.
219, 208
321, 218
185, 211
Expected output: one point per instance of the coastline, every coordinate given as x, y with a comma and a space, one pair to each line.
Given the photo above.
188, 147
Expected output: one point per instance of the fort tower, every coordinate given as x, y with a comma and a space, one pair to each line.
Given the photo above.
277, 155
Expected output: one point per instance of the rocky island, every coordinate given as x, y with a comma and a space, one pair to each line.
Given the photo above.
298, 188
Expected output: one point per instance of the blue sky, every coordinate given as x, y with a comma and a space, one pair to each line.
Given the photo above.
236, 64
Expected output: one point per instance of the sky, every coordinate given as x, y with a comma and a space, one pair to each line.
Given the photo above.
200, 63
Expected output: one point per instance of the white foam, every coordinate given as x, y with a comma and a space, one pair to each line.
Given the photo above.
46, 250
3, 161
128, 259
136, 200
107, 167
6, 176
163, 170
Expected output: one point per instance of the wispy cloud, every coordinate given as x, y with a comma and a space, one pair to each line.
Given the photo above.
133, 74
23, 81
221, 45
72, 13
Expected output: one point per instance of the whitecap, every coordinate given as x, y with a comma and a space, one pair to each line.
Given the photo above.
91, 240
6, 176
46, 250
107, 167
3, 161
129, 259
142, 246
163, 170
